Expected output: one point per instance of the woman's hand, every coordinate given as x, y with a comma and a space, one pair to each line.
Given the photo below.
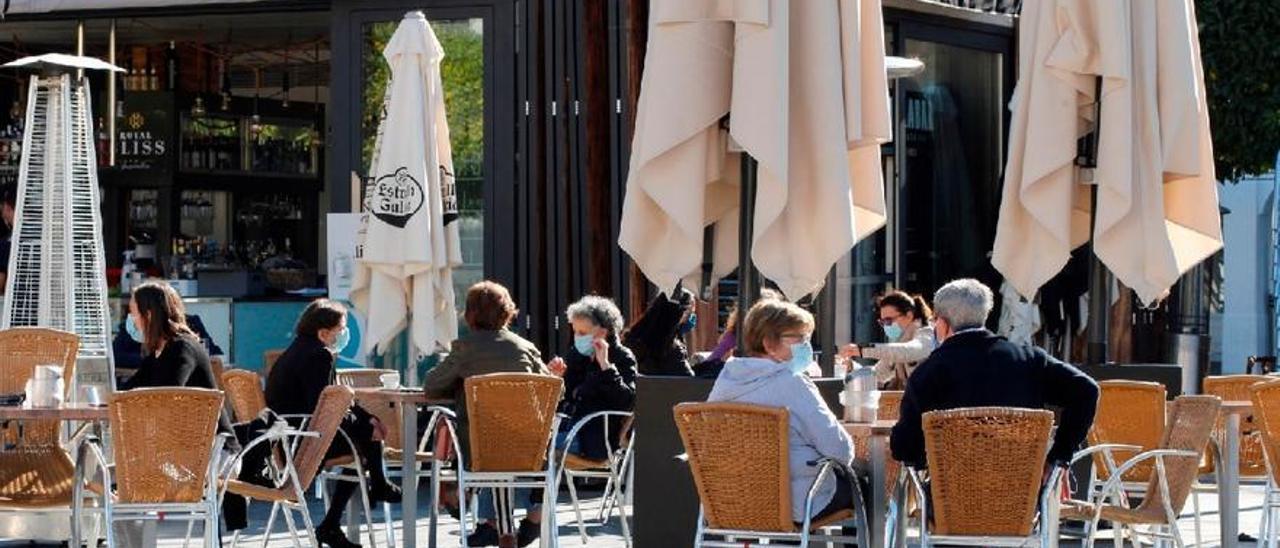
557, 366
379, 429
850, 351
601, 354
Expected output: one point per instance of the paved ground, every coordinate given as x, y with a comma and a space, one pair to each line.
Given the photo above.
609, 535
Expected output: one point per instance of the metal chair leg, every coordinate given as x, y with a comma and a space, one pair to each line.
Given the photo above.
235, 539
368, 511
186, 541
577, 507
271, 522
293, 528
306, 520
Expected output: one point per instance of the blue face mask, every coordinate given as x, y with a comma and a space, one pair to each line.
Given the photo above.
341, 342
689, 324
801, 357
132, 328
893, 332
585, 344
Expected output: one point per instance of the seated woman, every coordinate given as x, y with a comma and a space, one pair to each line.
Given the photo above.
657, 336
126, 347
172, 355
303, 371
777, 343
599, 374
903, 318
489, 347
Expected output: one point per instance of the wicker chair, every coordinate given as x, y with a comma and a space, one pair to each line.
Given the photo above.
512, 419
740, 458
1177, 461
1237, 388
888, 409
613, 469
218, 369
303, 464
269, 360
362, 378
244, 389
986, 465
166, 460
1266, 407
37, 472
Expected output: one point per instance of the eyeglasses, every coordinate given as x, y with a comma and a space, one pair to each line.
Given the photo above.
793, 337
889, 320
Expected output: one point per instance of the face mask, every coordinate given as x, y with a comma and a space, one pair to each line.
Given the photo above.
801, 357
132, 329
585, 344
689, 324
341, 341
893, 332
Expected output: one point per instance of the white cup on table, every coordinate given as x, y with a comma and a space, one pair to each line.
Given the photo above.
390, 381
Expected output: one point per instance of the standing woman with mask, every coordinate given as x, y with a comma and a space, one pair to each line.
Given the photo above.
599, 373
301, 373
776, 337
904, 318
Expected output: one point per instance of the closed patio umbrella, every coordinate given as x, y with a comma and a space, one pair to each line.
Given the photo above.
805, 90
410, 242
1157, 206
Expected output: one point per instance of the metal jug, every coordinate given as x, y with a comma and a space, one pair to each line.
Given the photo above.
861, 397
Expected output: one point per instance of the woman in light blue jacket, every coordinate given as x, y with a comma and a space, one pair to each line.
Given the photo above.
778, 351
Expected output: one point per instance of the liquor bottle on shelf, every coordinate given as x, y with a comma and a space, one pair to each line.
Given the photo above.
171, 67
153, 79
103, 145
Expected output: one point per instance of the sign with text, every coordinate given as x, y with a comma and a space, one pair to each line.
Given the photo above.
144, 135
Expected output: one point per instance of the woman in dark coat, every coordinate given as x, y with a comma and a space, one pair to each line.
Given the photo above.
599, 374
656, 338
298, 377
172, 355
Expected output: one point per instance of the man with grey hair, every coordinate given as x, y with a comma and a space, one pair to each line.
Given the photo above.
973, 367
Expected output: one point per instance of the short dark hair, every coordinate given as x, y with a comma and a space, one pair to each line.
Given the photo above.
489, 307
320, 314
8, 195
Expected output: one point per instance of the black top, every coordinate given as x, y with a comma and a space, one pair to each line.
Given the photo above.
182, 363
6, 245
588, 389
655, 339
128, 352
299, 375
978, 368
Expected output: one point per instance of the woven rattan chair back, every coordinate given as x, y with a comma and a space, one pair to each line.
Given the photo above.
269, 360
244, 389
23, 348
1191, 421
1130, 413
362, 378
510, 417
218, 369
163, 441
739, 457
890, 406
985, 468
1266, 411
332, 406
1237, 388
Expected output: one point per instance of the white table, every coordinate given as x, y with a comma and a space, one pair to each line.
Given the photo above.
1228, 466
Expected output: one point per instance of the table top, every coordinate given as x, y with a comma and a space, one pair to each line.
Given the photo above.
69, 412
401, 395
1236, 407
878, 428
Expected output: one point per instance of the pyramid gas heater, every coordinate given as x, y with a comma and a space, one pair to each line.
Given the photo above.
57, 269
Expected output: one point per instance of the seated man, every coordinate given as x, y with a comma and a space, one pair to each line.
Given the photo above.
973, 367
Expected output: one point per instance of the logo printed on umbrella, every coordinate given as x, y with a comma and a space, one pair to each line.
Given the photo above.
396, 198
448, 195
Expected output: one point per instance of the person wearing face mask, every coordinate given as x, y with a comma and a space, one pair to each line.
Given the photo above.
974, 367
776, 337
126, 347
298, 377
903, 318
657, 336
599, 373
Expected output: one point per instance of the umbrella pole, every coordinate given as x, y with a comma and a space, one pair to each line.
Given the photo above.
1099, 277
748, 278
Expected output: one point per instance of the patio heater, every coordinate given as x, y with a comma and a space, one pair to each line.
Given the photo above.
57, 268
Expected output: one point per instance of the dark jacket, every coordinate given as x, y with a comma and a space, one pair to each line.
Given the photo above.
128, 352
588, 389
655, 340
479, 353
182, 363
298, 377
978, 368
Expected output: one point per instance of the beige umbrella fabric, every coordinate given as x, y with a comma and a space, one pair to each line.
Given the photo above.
410, 243
769, 65
1157, 212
